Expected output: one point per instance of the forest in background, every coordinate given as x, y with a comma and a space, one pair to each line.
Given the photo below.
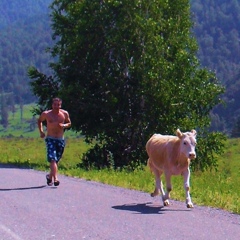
25, 33
217, 28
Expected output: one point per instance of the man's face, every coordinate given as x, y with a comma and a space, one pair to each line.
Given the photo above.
56, 105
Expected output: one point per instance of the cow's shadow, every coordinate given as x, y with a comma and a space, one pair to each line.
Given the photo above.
145, 208
142, 208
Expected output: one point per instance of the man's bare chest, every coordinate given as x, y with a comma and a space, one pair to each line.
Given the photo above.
55, 118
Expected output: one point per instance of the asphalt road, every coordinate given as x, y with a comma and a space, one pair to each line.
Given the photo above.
79, 209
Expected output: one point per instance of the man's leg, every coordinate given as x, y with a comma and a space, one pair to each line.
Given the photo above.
53, 170
54, 164
50, 175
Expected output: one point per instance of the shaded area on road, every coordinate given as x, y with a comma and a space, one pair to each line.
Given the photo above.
22, 188
17, 165
145, 208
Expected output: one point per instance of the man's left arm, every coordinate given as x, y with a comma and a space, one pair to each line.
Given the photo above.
67, 122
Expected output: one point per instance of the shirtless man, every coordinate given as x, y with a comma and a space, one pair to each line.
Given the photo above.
57, 120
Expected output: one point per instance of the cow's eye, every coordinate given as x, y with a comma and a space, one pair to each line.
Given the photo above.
185, 143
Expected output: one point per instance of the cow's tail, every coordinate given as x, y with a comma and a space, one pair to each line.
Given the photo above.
149, 164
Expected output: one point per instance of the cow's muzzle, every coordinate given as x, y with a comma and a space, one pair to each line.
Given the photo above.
192, 155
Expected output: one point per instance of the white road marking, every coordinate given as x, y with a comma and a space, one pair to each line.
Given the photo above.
10, 233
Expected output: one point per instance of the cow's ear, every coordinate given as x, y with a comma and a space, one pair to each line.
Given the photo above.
179, 133
194, 132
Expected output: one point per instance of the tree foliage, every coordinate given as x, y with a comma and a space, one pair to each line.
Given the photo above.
126, 70
26, 33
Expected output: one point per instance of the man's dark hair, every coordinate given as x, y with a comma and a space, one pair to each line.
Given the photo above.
56, 99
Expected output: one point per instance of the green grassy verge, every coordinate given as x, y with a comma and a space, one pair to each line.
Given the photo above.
219, 189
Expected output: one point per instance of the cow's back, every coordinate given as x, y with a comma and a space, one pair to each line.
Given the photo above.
161, 148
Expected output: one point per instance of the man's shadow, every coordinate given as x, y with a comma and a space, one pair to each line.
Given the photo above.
21, 188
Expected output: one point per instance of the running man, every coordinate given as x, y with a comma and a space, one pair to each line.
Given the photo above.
57, 120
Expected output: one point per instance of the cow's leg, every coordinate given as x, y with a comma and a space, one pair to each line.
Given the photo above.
157, 178
159, 186
157, 183
186, 176
166, 196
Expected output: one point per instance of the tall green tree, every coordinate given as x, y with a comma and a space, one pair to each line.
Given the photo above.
125, 70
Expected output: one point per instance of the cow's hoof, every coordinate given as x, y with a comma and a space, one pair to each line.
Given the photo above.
154, 194
189, 205
166, 203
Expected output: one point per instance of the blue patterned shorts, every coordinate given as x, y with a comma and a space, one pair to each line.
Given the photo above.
55, 148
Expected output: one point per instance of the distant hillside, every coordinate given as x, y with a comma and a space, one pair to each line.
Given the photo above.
26, 33
15, 11
217, 29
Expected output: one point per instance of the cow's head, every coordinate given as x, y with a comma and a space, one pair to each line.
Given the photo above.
187, 143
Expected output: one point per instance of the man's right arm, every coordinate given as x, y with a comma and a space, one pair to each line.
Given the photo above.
40, 125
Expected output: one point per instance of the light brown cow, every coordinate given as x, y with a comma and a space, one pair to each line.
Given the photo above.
171, 155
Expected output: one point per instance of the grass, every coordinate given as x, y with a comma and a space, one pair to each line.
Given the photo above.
218, 189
